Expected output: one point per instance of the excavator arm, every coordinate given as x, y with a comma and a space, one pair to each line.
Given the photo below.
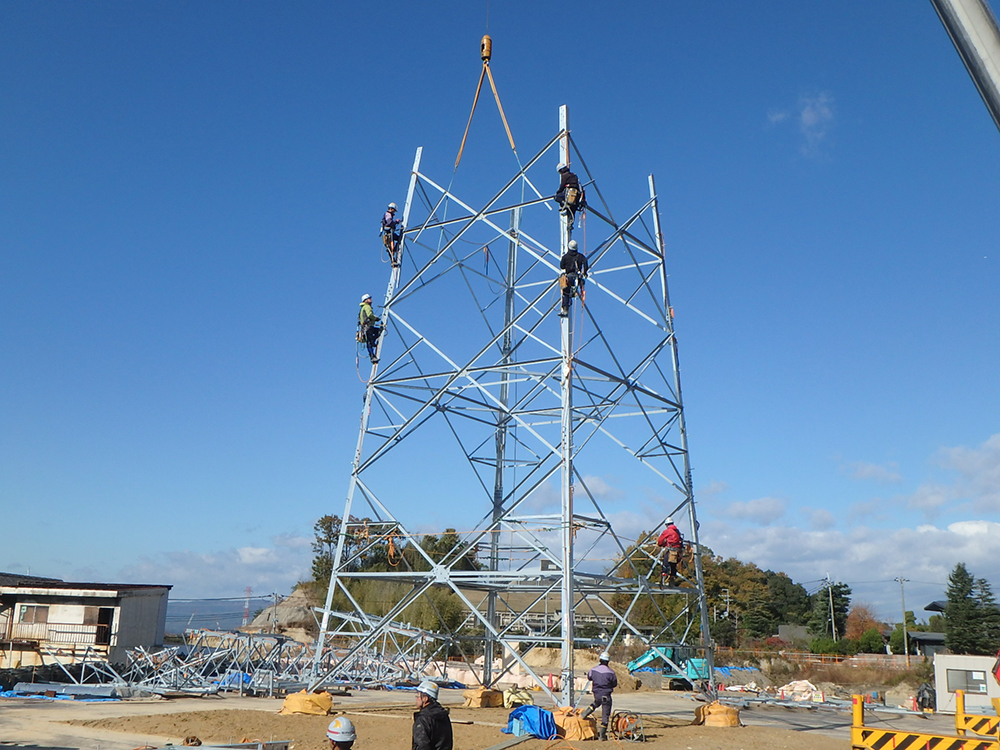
973, 30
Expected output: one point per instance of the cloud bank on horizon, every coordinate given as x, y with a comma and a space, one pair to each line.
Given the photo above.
867, 556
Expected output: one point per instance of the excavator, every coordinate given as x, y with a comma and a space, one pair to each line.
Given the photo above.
973, 30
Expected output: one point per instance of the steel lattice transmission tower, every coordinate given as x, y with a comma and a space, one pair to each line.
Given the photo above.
486, 398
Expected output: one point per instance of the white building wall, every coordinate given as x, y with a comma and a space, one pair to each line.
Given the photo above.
976, 665
66, 614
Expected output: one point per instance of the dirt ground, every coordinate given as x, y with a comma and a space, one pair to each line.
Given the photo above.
388, 728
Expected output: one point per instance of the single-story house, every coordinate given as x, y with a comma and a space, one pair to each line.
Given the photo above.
44, 619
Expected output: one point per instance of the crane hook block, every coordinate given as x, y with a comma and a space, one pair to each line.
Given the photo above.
486, 48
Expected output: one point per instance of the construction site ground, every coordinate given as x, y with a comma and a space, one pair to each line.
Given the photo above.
383, 719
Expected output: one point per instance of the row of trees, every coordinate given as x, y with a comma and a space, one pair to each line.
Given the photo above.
747, 604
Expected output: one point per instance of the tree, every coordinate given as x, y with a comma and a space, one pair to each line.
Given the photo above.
871, 642
860, 619
989, 617
819, 617
896, 644
789, 601
972, 621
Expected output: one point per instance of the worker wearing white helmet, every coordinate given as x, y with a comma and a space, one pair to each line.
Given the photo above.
392, 233
569, 196
368, 328
341, 733
604, 681
431, 724
672, 544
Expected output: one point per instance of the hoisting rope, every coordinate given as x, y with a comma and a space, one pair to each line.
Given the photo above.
485, 52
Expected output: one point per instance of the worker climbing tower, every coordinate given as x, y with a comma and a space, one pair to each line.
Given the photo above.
555, 447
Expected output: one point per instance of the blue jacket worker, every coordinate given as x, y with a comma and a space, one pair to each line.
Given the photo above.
392, 232
604, 681
431, 724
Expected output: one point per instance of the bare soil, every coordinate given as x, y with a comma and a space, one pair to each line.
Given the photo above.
388, 728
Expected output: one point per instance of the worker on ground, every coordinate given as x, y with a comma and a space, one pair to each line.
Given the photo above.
673, 544
603, 680
575, 267
569, 196
392, 232
431, 724
341, 733
368, 327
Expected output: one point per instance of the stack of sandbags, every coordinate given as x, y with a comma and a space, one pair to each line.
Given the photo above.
514, 696
317, 704
717, 715
571, 726
483, 698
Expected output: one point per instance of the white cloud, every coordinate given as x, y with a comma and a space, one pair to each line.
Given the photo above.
714, 487
762, 511
979, 473
600, 489
821, 520
814, 116
869, 559
931, 497
815, 121
877, 472
222, 572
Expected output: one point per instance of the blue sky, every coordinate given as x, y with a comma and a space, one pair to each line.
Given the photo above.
189, 195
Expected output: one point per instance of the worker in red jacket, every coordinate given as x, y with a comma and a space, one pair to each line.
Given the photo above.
673, 544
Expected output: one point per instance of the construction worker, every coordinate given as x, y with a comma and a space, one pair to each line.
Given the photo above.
431, 724
575, 267
341, 733
569, 196
392, 232
673, 544
368, 327
603, 680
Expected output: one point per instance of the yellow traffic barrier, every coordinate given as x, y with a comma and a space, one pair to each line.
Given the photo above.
866, 738
975, 723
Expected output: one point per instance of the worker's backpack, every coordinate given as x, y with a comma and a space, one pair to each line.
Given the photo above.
572, 197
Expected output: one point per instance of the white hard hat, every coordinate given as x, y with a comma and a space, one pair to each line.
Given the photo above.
365, 297
428, 688
573, 245
670, 520
605, 656
341, 730
392, 206
562, 165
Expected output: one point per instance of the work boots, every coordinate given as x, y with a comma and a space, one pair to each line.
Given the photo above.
587, 712
603, 734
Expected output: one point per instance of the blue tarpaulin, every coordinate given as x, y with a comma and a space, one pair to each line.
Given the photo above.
531, 720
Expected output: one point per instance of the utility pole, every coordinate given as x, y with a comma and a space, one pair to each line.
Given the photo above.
902, 601
833, 620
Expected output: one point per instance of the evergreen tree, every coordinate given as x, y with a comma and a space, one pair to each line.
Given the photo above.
988, 616
788, 601
871, 642
819, 617
961, 613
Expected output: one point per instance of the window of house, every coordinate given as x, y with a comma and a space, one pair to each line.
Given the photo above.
90, 615
969, 680
33, 614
